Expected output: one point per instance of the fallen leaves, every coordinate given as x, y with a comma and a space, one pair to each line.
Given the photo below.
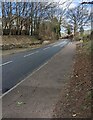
77, 100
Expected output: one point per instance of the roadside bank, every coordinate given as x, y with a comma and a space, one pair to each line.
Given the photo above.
75, 101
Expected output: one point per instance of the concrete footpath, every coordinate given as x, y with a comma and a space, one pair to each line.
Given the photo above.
38, 94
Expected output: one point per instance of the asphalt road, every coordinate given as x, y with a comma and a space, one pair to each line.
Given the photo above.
17, 66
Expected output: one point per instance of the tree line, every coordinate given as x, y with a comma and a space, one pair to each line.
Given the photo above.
43, 19
30, 18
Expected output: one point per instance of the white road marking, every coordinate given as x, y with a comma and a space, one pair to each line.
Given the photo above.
46, 48
6, 63
55, 45
30, 54
24, 79
62, 43
28, 76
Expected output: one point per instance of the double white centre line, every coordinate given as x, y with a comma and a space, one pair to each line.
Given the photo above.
6, 63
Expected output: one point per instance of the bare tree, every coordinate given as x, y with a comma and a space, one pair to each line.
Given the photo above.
26, 17
78, 17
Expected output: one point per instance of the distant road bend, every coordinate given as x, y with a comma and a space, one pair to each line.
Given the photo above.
17, 66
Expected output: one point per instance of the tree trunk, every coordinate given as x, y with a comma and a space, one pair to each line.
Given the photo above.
10, 17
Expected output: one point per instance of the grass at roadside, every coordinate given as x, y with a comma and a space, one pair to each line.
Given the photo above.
14, 44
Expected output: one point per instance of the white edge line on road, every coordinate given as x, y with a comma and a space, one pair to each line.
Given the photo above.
28, 76
23, 80
6, 63
46, 48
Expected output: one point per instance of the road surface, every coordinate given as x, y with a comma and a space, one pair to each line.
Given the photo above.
17, 66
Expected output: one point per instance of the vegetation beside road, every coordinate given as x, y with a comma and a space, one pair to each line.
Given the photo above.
14, 44
75, 100
11, 42
29, 25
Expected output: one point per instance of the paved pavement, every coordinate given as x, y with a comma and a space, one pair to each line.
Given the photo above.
17, 66
37, 95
